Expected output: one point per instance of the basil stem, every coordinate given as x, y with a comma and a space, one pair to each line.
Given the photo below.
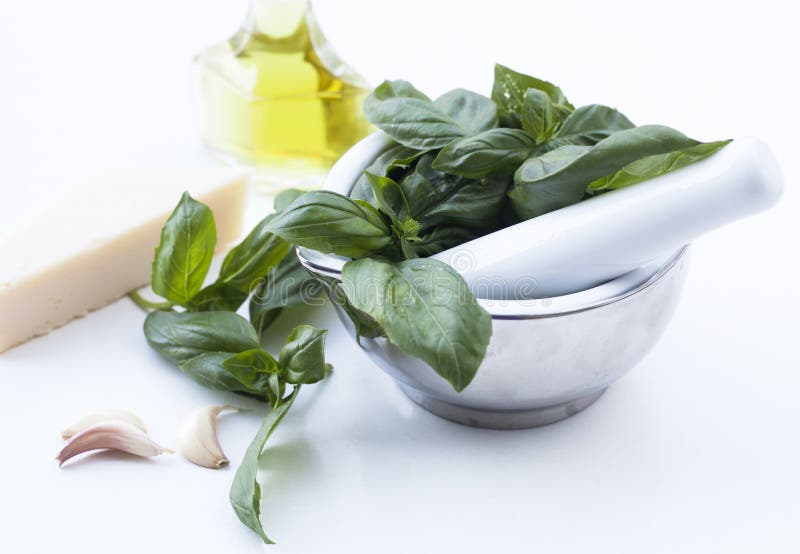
147, 305
245, 492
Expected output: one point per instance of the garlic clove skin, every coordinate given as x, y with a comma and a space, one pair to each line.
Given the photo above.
101, 416
198, 437
110, 435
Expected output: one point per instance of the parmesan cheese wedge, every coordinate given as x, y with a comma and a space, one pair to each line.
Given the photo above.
96, 244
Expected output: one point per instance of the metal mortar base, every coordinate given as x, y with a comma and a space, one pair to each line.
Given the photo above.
505, 420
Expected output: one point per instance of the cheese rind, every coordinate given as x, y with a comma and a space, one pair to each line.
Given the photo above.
96, 244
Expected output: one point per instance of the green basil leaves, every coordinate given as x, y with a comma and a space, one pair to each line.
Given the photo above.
654, 166
221, 350
462, 166
510, 89
498, 151
253, 258
557, 154
413, 120
333, 223
540, 117
589, 125
218, 348
286, 286
184, 255
472, 112
426, 309
245, 492
303, 357
183, 258
180, 337
560, 177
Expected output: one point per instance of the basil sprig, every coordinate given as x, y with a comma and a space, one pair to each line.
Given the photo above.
197, 329
220, 350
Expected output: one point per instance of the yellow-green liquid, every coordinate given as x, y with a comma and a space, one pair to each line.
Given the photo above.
269, 101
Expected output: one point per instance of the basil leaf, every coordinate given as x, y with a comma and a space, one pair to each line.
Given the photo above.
474, 204
242, 268
530, 200
329, 222
286, 286
389, 196
437, 198
286, 197
250, 260
184, 254
498, 151
421, 192
589, 125
255, 359
208, 370
414, 121
560, 177
539, 117
654, 166
392, 163
217, 296
302, 359
363, 324
252, 368
397, 89
277, 389
408, 249
426, 310
442, 238
508, 92
473, 112
245, 495
182, 336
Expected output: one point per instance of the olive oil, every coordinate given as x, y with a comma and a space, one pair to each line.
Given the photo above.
276, 97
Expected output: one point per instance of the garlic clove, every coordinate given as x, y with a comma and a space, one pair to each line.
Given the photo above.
100, 416
198, 437
110, 435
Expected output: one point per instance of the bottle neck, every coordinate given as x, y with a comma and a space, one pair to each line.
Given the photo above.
277, 18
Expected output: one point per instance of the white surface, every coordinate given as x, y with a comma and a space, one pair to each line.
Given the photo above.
695, 451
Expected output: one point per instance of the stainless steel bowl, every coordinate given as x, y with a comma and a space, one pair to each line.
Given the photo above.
547, 360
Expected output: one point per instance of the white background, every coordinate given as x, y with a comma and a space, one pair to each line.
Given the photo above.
696, 450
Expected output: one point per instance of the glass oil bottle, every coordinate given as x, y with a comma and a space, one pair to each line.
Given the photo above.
276, 97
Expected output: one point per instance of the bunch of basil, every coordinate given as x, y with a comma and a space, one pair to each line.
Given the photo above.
218, 348
462, 166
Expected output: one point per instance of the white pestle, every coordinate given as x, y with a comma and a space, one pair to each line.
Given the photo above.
580, 246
